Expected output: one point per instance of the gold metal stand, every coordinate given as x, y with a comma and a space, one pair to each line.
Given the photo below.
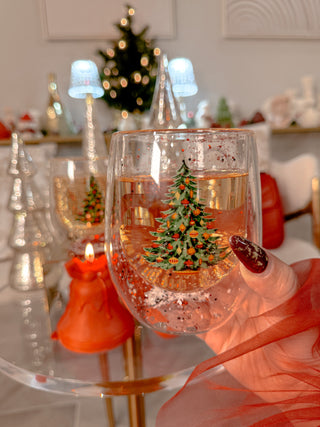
133, 367
104, 366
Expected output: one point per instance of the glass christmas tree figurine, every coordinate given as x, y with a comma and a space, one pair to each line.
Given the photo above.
30, 238
165, 111
186, 238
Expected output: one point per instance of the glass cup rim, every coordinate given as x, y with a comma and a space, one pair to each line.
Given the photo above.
199, 131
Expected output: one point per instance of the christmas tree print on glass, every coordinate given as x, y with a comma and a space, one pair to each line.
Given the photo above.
93, 205
186, 238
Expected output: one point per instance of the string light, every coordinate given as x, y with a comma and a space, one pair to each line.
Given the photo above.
115, 71
124, 22
137, 77
157, 51
110, 52
106, 84
144, 61
122, 44
113, 93
124, 82
131, 11
124, 114
107, 71
145, 80
139, 101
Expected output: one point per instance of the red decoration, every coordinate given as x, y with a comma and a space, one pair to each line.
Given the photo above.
193, 234
272, 213
94, 319
26, 118
191, 251
4, 132
165, 336
210, 226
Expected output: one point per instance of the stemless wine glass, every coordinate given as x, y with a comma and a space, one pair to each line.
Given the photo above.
174, 197
77, 198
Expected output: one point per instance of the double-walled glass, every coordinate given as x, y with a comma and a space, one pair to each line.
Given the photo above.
174, 197
77, 189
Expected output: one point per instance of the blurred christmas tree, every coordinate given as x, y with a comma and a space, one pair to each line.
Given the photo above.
93, 204
129, 73
224, 116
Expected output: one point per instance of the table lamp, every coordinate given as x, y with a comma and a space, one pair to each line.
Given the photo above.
183, 81
85, 84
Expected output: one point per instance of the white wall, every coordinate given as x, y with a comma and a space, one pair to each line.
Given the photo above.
246, 71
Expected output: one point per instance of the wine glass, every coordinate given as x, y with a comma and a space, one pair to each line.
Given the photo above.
174, 197
77, 193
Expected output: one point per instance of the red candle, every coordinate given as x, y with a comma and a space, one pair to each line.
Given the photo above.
94, 319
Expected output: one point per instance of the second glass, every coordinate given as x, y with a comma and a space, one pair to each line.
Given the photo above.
78, 188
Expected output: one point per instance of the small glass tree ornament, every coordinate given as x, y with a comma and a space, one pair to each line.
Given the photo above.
85, 84
25, 194
20, 160
165, 111
29, 236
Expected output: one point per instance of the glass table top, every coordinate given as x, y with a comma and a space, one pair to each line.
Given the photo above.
145, 363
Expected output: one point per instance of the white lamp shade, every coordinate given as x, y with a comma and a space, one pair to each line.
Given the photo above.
182, 77
85, 80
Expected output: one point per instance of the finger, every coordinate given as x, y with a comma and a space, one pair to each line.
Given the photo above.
263, 272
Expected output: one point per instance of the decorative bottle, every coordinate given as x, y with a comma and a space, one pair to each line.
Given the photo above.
58, 120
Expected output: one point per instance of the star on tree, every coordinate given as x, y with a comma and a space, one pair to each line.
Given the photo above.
186, 238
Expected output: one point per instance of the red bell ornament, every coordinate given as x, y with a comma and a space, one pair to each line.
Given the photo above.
94, 319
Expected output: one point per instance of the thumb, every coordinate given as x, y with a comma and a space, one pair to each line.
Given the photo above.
264, 273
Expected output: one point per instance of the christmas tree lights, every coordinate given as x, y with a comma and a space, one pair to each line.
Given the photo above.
93, 204
129, 73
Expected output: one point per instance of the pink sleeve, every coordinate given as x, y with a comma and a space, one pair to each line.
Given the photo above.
212, 397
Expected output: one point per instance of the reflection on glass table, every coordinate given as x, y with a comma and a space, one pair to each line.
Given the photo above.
145, 363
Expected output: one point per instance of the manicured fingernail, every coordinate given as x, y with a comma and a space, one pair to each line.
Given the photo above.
251, 255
